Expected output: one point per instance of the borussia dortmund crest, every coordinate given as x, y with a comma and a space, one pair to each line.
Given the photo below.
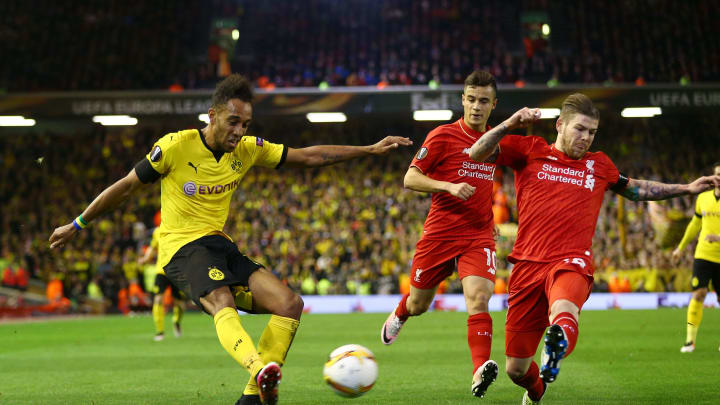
236, 165
215, 273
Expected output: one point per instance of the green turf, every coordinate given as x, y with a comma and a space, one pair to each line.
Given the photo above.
627, 357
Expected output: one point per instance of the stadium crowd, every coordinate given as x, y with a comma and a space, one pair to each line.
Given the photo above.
389, 42
348, 229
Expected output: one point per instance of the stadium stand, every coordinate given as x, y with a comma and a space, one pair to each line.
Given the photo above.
336, 230
350, 43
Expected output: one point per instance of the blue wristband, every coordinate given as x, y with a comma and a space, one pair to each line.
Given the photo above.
76, 225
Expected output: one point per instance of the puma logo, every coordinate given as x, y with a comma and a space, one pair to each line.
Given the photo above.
193, 166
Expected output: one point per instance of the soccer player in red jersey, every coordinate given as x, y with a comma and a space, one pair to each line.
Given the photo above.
560, 189
458, 231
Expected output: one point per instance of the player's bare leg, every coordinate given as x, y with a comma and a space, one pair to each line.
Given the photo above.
560, 337
694, 317
477, 291
525, 373
416, 303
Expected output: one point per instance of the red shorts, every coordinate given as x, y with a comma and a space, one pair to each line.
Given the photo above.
435, 260
533, 287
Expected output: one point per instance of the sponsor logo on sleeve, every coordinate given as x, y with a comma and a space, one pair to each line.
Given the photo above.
259, 142
422, 153
417, 275
156, 154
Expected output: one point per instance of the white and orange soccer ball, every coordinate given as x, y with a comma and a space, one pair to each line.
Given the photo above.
351, 370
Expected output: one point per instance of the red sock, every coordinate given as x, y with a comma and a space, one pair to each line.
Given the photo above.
531, 382
401, 309
570, 326
479, 338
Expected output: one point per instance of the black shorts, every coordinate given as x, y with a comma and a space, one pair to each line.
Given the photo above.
209, 263
162, 283
703, 272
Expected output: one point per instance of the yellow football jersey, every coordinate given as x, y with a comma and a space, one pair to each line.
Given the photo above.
706, 221
196, 189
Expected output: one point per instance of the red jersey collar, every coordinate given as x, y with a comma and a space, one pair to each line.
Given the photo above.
469, 131
563, 155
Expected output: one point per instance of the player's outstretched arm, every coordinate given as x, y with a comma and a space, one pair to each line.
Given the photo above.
417, 181
691, 233
647, 190
485, 148
108, 200
325, 155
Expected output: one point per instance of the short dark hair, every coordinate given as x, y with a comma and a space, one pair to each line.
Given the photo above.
233, 86
481, 78
717, 164
578, 103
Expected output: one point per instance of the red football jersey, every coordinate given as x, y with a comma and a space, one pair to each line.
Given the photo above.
558, 198
445, 156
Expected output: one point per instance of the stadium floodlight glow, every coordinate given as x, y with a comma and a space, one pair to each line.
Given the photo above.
204, 118
235, 34
548, 113
546, 29
326, 117
110, 120
640, 112
432, 115
16, 121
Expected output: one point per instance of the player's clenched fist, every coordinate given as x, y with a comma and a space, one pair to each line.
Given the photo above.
523, 117
462, 191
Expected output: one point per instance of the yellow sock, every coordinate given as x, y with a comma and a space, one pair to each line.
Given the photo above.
236, 341
274, 344
243, 298
158, 312
694, 317
178, 312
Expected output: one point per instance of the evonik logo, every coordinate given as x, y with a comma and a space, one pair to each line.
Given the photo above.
190, 188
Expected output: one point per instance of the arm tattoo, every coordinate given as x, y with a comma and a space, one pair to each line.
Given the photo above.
493, 156
631, 193
646, 190
328, 159
489, 141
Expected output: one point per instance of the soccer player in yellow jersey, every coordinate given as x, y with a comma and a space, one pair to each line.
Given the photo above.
161, 284
706, 265
199, 171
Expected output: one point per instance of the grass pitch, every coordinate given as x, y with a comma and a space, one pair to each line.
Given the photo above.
626, 357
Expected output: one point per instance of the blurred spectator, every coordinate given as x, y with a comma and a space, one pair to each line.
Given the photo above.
168, 45
347, 229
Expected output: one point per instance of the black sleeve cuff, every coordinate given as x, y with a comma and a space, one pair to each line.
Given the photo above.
622, 182
283, 157
145, 172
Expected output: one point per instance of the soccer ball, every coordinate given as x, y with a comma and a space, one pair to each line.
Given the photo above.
351, 370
